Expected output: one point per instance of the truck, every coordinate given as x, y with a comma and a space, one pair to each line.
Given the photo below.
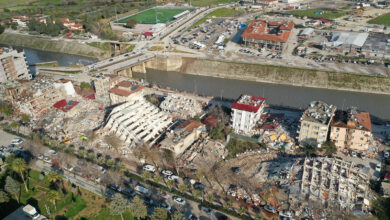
31, 212
142, 190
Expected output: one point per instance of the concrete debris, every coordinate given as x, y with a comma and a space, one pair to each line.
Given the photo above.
182, 106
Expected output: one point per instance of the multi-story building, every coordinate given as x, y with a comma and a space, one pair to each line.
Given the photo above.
103, 85
267, 34
246, 112
351, 130
315, 123
125, 91
12, 65
267, 2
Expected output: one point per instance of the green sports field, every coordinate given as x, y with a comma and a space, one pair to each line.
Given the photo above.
149, 16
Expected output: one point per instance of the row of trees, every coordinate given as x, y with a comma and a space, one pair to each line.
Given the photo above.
52, 28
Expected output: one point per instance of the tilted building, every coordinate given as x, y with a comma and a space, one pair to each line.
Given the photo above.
351, 130
102, 85
13, 65
137, 121
315, 123
246, 112
267, 34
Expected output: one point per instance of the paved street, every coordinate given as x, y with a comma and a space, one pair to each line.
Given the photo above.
6, 138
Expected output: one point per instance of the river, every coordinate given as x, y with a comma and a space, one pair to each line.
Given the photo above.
278, 95
37, 56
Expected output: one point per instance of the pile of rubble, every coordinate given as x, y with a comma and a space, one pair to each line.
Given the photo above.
181, 106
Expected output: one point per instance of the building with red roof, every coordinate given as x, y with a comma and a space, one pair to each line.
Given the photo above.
267, 34
125, 91
65, 106
246, 112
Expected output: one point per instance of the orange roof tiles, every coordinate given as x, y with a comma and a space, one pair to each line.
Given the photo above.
190, 125
364, 120
125, 84
259, 29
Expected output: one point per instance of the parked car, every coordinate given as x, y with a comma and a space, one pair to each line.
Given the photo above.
173, 177
378, 167
199, 186
17, 141
165, 206
269, 208
387, 154
179, 200
236, 169
149, 168
46, 159
206, 209
167, 172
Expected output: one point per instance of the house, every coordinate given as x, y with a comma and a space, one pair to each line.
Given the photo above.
183, 136
71, 25
41, 18
148, 34
20, 20
246, 112
351, 130
315, 123
267, 34
125, 91
306, 33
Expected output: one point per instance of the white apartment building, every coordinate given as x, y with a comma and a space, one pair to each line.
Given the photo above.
246, 112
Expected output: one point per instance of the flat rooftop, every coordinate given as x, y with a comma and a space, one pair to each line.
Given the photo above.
248, 103
319, 112
278, 31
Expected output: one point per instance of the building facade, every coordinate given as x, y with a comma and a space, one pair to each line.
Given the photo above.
125, 91
13, 65
351, 131
267, 34
246, 112
102, 85
315, 123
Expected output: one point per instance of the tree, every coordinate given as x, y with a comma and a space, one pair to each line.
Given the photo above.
170, 183
178, 216
82, 153
54, 177
101, 161
146, 175
138, 208
157, 178
183, 188
309, 150
2, 29
118, 205
159, 214
91, 156
19, 165
228, 205
120, 166
12, 187
85, 86
197, 193
131, 23
52, 196
25, 118
330, 148
6, 108
210, 197
259, 217
3, 197
110, 162
242, 210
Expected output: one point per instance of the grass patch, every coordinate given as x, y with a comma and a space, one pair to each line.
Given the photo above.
236, 146
101, 45
149, 16
8, 3
105, 214
180, 51
131, 47
210, 2
156, 48
311, 13
222, 12
383, 20
79, 205
62, 71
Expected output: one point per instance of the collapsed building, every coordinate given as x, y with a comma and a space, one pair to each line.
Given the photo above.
315, 123
137, 121
102, 86
183, 136
351, 130
181, 106
13, 65
335, 183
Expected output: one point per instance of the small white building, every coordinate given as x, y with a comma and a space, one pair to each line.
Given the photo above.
246, 112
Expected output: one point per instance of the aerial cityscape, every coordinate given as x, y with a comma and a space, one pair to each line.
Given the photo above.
195, 109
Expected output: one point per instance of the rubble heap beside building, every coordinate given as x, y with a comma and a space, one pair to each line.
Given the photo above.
181, 106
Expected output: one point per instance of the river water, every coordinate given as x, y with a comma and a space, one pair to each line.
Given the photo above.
37, 56
278, 95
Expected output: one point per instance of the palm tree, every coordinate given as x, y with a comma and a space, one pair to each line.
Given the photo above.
53, 196
54, 177
19, 166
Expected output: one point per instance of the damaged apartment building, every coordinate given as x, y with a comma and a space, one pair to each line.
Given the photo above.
137, 121
125, 91
13, 65
102, 86
181, 106
335, 183
351, 131
315, 123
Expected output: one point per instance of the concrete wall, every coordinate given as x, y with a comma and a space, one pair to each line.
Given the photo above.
273, 74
